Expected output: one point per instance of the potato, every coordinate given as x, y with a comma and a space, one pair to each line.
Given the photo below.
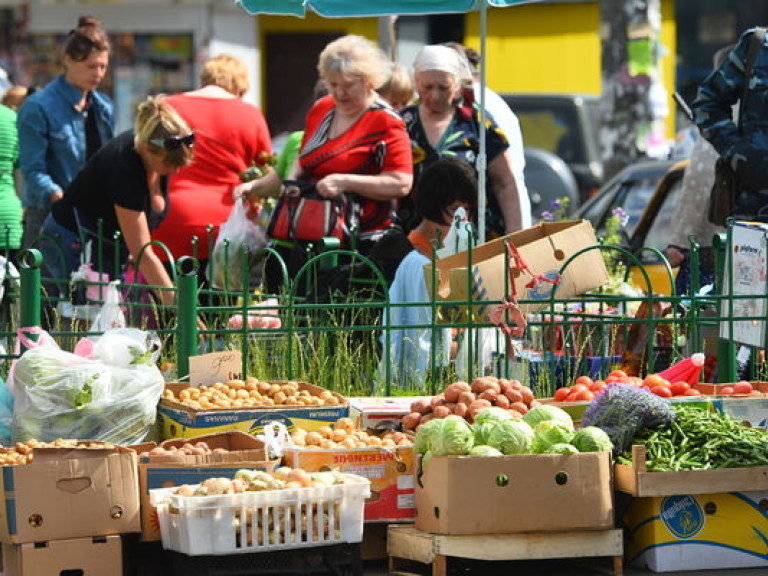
502, 401
514, 395
438, 400
466, 398
521, 407
489, 394
421, 406
453, 390
461, 410
441, 411
483, 383
412, 420
527, 394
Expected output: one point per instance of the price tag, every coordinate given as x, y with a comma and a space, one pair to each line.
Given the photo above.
208, 369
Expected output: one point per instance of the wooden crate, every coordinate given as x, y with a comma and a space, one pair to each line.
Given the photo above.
405, 543
637, 481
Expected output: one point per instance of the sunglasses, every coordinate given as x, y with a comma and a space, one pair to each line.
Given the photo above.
173, 143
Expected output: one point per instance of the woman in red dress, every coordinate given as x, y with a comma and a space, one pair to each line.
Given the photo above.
230, 135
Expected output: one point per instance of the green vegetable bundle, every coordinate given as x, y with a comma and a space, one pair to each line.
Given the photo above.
698, 439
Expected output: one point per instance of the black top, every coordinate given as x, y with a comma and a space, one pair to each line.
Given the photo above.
114, 175
92, 138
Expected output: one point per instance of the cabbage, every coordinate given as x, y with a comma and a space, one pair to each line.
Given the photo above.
493, 414
484, 451
561, 448
544, 412
482, 431
549, 433
423, 442
455, 437
511, 437
592, 439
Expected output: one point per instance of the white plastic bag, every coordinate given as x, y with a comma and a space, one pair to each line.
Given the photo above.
276, 438
58, 394
237, 233
110, 315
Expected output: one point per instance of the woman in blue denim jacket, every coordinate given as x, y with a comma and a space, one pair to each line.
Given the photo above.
64, 124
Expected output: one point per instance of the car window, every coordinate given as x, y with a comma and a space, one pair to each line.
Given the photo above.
660, 231
552, 127
634, 198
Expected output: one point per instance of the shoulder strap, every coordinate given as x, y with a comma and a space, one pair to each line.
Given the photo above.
755, 42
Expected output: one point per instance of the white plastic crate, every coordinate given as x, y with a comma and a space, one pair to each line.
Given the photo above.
262, 521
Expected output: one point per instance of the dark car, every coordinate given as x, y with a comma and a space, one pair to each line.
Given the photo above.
648, 192
565, 125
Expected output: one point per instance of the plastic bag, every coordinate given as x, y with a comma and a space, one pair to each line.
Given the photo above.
6, 414
111, 397
276, 438
110, 315
238, 233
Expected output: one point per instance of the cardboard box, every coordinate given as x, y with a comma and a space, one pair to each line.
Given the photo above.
96, 556
637, 481
544, 248
70, 493
390, 471
511, 494
750, 410
166, 471
175, 420
697, 531
376, 413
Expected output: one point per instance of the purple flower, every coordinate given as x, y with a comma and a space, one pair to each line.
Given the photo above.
547, 216
556, 205
621, 215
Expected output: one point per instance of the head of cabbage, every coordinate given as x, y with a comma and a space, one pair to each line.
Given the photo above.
481, 450
493, 414
511, 437
592, 439
544, 412
423, 441
454, 437
548, 433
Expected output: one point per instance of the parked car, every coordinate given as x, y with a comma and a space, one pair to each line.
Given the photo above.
565, 125
648, 191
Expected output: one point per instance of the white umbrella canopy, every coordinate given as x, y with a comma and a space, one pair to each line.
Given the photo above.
370, 8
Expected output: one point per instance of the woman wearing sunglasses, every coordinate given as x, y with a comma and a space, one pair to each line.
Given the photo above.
122, 187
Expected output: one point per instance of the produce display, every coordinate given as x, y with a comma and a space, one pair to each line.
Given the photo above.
250, 393
468, 400
699, 439
585, 389
624, 410
544, 429
187, 449
22, 452
344, 435
284, 478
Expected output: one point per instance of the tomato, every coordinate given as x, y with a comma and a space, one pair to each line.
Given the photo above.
679, 388
583, 395
597, 386
742, 388
586, 380
635, 381
617, 374
662, 391
726, 390
692, 392
654, 380
579, 388
561, 394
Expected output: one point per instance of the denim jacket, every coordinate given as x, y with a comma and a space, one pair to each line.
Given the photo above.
747, 148
52, 138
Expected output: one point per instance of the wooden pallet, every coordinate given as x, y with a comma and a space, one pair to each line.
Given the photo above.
405, 543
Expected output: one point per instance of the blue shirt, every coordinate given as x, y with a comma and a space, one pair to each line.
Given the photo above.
52, 138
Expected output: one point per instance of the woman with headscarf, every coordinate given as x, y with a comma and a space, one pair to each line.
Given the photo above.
446, 122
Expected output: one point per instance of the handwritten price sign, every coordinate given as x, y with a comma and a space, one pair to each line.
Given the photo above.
215, 367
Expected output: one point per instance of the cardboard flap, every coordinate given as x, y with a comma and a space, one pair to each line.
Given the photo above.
74, 485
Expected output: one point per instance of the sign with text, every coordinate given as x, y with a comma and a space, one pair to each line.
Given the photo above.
208, 369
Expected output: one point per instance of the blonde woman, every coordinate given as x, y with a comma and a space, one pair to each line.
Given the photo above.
121, 187
231, 135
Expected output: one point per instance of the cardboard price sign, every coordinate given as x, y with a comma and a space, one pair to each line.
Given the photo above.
208, 369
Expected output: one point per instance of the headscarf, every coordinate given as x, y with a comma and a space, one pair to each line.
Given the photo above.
445, 59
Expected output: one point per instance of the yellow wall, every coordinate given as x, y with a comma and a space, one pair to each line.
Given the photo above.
529, 48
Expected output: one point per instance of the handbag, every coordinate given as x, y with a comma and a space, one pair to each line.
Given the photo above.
722, 198
302, 214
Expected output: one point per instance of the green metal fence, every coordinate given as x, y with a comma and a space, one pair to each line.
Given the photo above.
343, 342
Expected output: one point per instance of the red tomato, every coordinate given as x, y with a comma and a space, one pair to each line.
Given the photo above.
727, 390
561, 394
692, 392
679, 388
583, 395
597, 386
662, 391
654, 380
579, 388
742, 388
586, 380
617, 374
